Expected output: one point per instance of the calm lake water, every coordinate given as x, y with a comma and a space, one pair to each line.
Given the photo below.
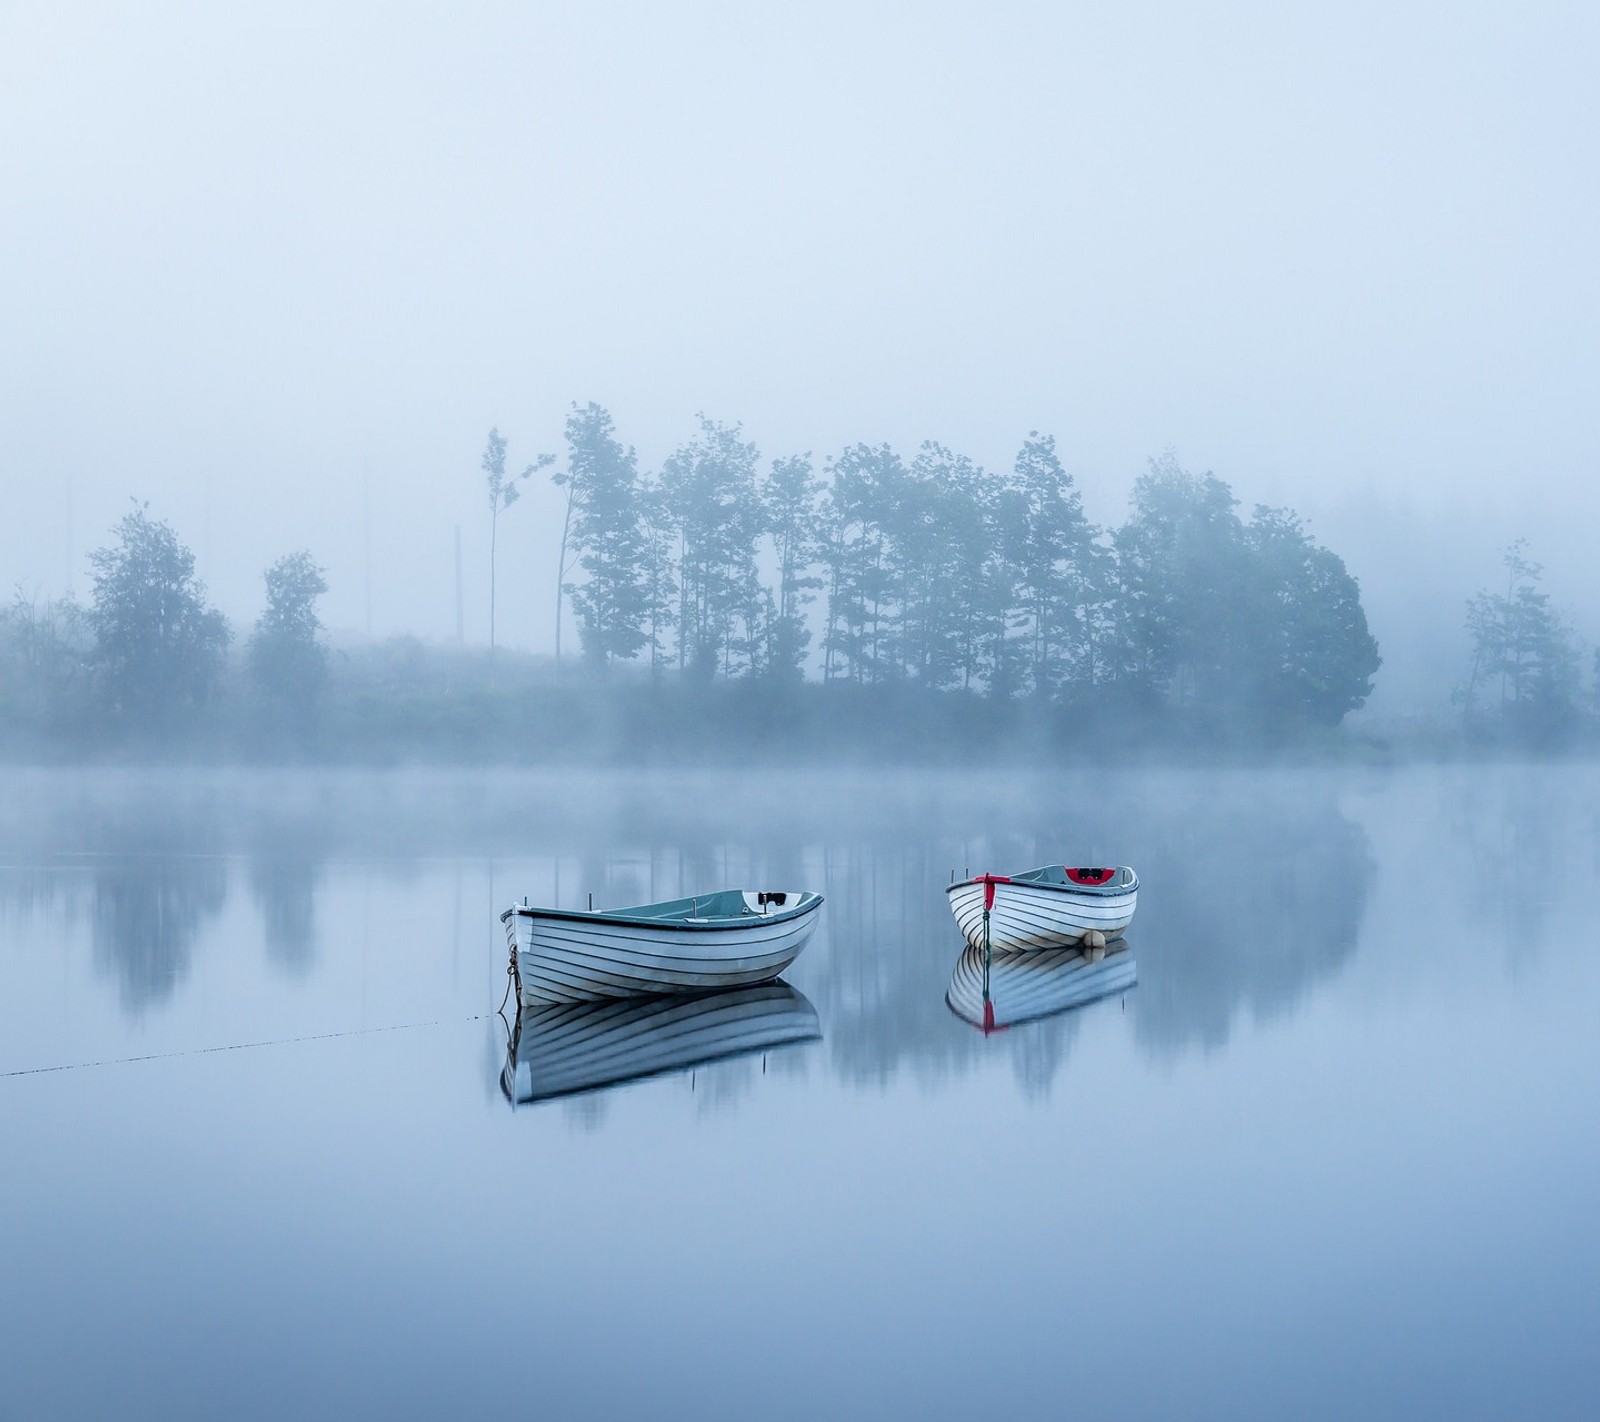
1334, 1155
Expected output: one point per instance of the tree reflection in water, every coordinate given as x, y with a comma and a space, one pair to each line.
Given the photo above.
141, 857
1247, 903
148, 911
1248, 910
286, 862
1254, 884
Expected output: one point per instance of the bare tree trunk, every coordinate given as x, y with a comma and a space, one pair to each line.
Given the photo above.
833, 602
1089, 645
683, 595
1472, 687
494, 525
561, 569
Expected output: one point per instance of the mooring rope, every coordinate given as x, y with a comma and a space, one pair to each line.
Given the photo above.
240, 1046
988, 881
511, 976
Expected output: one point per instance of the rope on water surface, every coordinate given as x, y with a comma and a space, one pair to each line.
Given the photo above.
238, 1046
511, 974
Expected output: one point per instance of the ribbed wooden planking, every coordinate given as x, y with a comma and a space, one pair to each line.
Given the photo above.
574, 958
1031, 916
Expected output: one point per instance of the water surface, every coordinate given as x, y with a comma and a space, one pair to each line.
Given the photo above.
1333, 1154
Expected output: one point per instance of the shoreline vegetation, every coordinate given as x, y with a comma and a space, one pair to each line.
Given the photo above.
876, 609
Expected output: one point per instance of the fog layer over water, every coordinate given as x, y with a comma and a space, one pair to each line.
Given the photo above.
1332, 1155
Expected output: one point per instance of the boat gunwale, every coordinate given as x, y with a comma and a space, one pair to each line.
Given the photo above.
728, 923
1087, 891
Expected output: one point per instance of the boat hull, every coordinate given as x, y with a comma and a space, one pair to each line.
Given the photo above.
1028, 917
561, 1049
1026, 986
580, 958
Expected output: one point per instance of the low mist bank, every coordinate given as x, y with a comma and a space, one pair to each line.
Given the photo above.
405, 702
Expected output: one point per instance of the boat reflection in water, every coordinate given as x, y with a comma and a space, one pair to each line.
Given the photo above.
1019, 987
565, 1048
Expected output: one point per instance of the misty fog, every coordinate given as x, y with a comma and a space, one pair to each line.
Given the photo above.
278, 269
618, 465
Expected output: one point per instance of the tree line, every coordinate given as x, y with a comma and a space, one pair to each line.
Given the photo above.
869, 583
788, 587
929, 571
150, 653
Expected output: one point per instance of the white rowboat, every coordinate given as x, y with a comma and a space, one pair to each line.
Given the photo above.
734, 938
563, 1048
1024, 986
1053, 907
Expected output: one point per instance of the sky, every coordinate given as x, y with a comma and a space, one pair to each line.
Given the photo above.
278, 268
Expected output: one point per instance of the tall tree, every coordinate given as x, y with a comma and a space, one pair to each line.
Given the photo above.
46, 655
1313, 655
160, 648
287, 660
1229, 620
503, 492
789, 508
1005, 647
712, 496
1056, 570
940, 534
984, 577
865, 486
608, 535
659, 570
1524, 650
1182, 588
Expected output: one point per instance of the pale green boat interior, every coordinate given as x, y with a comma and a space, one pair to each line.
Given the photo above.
724, 904
720, 909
